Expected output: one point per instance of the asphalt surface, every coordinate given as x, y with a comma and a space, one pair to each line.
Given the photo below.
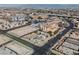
44, 49
22, 41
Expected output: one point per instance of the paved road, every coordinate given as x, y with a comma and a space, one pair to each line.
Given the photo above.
47, 46
22, 41
42, 50
52, 41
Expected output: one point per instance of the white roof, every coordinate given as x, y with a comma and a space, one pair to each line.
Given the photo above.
67, 50
23, 30
4, 39
72, 46
19, 48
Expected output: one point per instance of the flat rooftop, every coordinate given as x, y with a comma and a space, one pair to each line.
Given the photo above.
75, 35
19, 48
23, 30
37, 39
6, 51
71, 46
4, 39
66, 50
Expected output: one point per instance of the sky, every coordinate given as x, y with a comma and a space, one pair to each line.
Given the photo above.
40, 5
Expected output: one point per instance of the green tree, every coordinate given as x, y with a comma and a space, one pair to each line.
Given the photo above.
50, 33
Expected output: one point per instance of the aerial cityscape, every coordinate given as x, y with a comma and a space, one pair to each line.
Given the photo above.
49, 29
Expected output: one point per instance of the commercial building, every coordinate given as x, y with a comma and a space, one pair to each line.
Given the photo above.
19, 48
23, 30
